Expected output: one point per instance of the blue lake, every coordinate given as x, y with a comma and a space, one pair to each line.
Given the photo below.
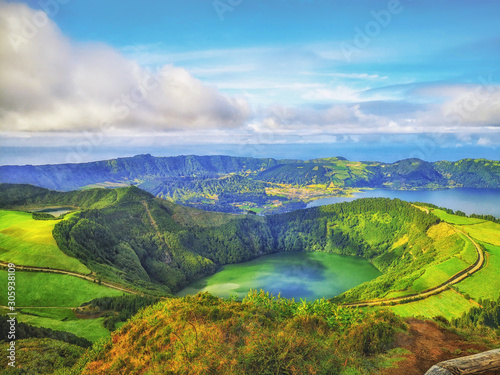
295, 275
478, 201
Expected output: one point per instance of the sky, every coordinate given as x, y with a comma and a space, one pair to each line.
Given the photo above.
372, 79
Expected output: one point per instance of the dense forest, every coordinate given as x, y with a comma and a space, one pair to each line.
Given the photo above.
117, 309
128, 236
26, 331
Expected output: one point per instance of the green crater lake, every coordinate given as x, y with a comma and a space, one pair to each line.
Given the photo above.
310, 275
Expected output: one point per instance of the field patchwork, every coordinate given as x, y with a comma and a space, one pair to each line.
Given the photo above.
449, 304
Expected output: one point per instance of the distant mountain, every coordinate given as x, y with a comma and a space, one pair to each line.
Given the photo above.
65, 177
226, 183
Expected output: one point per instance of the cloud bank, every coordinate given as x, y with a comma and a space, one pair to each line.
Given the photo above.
49, 83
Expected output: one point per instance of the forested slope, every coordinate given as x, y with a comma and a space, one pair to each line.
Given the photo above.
126, 235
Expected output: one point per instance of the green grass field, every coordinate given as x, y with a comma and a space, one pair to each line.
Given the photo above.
454, 253
469, 252
454, 219
24, 241
486, 282
438, 274
63, 320
56, 290
448, 304
483, 284
486, 232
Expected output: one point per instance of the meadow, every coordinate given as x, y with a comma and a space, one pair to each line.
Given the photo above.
42, 289
454, 219
486, 232
484, 284
28, 242
448, 304
52, 296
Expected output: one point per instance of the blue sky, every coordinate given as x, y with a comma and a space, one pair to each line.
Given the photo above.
249, 72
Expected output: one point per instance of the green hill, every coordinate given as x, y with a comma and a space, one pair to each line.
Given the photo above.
127, 236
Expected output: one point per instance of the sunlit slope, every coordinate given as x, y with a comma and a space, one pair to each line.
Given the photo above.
44, 289
483, 284
207, 335
130, 237
52, 297
29, 242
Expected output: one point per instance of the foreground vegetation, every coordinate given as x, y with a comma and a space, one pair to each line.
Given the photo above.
262, 334
41, 356
204, 334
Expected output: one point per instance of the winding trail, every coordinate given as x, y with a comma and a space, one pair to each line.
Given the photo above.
460, 276
87, 277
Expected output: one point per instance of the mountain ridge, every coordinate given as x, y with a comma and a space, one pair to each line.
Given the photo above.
236, 184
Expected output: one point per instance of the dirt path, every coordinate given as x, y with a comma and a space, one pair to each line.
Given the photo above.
429, 344
153, 221
38, 307
460, 276
79, 275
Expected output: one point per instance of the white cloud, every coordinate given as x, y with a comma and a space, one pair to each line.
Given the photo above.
55, 84
483, 141
49, 83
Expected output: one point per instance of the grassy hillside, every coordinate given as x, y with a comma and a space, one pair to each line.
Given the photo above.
484, 284
204, 334
29, 242
129, 237
49, 289
64, 320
